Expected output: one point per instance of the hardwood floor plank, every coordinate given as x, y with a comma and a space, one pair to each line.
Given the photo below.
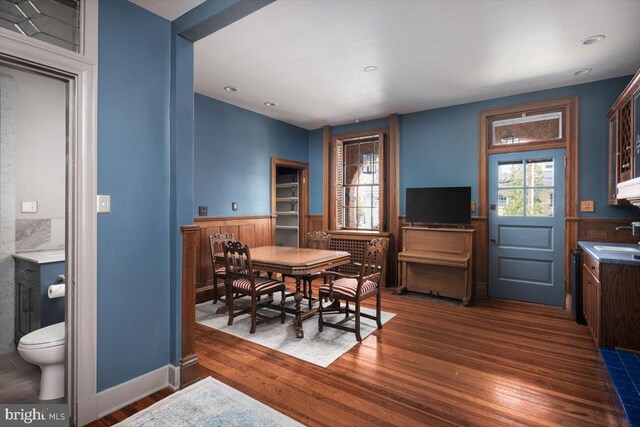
494, 363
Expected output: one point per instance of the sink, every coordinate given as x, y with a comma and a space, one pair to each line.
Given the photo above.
617, 249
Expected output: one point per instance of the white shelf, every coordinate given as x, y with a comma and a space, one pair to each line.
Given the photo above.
287, 185
286, 199
286, 227
287, 213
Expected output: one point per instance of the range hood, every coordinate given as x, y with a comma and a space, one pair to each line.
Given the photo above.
630, 190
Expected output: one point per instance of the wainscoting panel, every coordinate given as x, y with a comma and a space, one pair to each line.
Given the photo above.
314, 223
252, 230
604, 230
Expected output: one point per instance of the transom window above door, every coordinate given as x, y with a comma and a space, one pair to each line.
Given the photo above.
526, 130
525, 188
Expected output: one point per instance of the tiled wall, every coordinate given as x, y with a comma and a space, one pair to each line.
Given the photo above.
39, 234
7, 211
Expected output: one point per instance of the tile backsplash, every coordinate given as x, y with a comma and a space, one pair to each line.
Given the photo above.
40, 234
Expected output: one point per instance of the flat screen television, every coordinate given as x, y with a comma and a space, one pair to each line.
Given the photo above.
442, 205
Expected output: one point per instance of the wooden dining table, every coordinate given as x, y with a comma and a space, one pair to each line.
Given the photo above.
295, 262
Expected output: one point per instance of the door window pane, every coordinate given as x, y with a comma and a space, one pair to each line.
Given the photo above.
540, 202
511, 202
510, 174
540, 173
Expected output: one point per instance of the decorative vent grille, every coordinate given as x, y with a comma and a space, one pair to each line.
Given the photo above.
53, 21
625, 141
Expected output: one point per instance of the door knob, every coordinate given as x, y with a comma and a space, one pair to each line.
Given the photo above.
492, 207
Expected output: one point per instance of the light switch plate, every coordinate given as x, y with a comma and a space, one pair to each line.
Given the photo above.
587, 206
104, 204
234, 206
29, 207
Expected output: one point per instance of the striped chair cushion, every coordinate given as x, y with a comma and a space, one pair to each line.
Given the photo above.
221, 271
263, 284
347, 286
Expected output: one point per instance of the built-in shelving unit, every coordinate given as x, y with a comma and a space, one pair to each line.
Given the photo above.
287, 217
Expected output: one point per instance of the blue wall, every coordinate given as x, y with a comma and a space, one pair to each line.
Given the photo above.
133, 167
233, 150
439, 147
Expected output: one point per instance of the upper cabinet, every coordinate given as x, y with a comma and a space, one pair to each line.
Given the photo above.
624, 139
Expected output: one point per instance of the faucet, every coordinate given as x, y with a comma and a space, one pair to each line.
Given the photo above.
634, 227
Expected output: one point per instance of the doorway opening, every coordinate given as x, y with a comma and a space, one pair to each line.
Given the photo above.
34, 206
289, 202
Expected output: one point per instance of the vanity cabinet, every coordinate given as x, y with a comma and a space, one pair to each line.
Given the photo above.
624, 139
33, 308
610, 301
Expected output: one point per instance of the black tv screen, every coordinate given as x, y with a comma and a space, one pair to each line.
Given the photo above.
442, 205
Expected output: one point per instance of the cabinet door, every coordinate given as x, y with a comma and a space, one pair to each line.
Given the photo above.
597, 310
625, 142
586, 295
613, 151
636, 133
23, 308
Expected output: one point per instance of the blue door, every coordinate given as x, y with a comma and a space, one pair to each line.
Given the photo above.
526, 226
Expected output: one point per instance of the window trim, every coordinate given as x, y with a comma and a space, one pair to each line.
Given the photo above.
526, 146
337, 140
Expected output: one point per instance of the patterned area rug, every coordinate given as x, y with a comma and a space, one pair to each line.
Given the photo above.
319, 348
208, 403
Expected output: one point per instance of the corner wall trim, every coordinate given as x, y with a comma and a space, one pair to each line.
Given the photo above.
121, 395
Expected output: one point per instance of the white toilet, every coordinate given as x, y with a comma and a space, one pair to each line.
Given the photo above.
45, 348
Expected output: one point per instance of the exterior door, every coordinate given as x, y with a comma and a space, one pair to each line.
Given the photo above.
526, 226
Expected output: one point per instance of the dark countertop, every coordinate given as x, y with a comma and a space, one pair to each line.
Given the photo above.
612, 257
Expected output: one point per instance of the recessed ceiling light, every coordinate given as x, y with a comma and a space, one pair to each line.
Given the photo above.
370, 68
582, 71
231, 89
356, 121
270, 104
593, 39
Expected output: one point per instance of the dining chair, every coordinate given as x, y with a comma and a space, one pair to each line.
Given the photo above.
241, 279
356, 288
315, 240
216, 242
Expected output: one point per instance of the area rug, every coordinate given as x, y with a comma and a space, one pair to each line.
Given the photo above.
208, 403
319, 348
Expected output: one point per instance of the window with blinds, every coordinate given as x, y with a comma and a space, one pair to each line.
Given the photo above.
359, 183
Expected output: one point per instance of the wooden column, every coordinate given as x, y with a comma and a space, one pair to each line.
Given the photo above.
394, 202
326, 150
189, 366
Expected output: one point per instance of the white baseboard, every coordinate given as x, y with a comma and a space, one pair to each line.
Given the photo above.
116, 397
174, 377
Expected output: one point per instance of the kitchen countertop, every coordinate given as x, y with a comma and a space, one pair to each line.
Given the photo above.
612, 257
42, 257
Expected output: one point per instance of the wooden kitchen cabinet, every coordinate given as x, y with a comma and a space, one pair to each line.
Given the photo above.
610, 301
624, 138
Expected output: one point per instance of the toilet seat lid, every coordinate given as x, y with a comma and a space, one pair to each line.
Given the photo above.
51, 335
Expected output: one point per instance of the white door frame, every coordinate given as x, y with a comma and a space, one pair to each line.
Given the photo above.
81, 72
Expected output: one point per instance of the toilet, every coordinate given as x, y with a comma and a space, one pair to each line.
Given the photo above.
45, 347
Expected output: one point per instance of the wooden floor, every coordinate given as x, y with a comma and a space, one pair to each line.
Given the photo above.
491, 364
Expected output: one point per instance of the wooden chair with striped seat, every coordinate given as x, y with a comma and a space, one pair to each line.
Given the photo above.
241, 279
356, 288
219, 273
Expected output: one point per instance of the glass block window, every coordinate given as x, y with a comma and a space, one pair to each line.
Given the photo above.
53, 21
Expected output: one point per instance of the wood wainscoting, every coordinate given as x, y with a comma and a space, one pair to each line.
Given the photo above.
604, 230
252, 230
314, 223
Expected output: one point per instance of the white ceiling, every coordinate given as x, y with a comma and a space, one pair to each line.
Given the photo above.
168, 9
308, 56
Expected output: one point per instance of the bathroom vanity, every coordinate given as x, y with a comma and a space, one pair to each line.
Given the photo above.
611, 293
34, 273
